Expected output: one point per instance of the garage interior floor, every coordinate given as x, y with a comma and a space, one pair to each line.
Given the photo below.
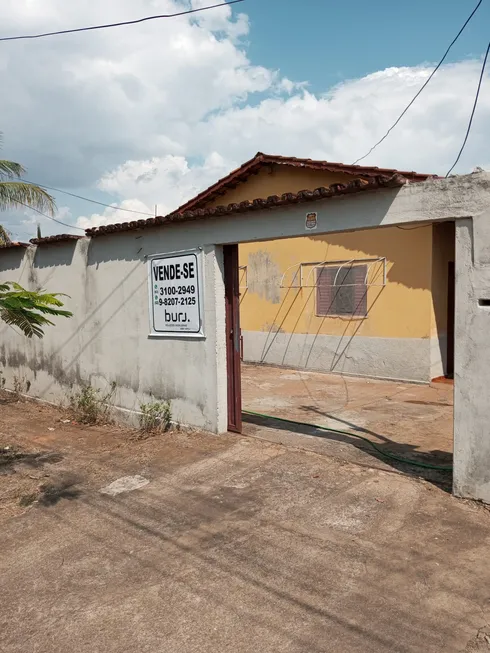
412, 421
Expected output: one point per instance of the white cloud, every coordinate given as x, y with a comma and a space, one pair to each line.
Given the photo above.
80, 104
343, 124
112, 215
164, 182
152, 114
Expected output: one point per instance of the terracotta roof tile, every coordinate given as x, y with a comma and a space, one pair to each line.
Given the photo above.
57, 238
260, 160
273, 201
14, 243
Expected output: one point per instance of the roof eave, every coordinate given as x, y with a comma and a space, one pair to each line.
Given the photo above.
241, 174
273, 201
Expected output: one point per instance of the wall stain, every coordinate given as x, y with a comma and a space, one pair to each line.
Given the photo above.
264, 276
45, 362
32, 278
272, 328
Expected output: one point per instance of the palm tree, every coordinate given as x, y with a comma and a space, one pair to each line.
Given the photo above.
15, 193
4, 236
19, 307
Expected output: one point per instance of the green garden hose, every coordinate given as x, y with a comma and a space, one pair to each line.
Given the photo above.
400, 459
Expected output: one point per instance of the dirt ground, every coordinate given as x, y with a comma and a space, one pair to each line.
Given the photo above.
233, 545
46, 456
409, 420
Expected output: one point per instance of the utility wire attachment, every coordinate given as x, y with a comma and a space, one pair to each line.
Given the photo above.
472, 111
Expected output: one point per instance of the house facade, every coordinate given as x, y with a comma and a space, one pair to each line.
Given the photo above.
111, 340
373, 302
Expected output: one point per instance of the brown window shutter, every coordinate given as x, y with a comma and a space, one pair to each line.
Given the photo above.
325, 292
348, 297
359, 273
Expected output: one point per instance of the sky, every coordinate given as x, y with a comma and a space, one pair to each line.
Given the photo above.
149, 115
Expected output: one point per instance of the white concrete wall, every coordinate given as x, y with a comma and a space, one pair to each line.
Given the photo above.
401, 359
438, 356
472, 359
107, 339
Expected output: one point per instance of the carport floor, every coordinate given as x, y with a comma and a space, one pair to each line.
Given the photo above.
409, 420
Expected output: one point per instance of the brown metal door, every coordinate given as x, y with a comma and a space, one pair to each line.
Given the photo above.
451, 281
232, 296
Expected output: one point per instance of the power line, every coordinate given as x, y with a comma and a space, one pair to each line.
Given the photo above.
423, 86
49, 217
126, 22
12, 230
22, 234
472, 111
87, 199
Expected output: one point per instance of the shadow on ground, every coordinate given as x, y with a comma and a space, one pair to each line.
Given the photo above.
13, 461
64, 488
11, 457
437, 458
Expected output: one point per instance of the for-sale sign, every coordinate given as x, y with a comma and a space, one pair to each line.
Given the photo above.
175, 295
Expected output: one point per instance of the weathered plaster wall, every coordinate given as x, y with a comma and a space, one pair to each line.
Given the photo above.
403, 359
472, 359
107, 339
281, 325
401, 309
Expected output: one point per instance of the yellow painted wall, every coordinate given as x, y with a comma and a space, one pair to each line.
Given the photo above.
279, 179
401, 309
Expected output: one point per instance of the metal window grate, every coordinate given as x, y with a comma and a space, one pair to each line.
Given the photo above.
341, 291
302, 275
243, 277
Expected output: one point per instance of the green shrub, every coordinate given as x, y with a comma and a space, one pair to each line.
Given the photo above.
89, 406
155, 416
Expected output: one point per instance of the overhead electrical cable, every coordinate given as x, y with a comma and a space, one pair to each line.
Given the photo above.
423, 86
45, 215
87, 199
121, 24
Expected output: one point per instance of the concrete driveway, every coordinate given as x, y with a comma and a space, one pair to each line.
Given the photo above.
411, 420
242, 546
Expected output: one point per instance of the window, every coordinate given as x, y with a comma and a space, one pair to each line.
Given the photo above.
341, 291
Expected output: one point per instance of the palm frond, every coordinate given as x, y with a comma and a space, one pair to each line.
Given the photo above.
27, 309
11, 170
39, 298
29, 323
4, 236
12, 284
16, 194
